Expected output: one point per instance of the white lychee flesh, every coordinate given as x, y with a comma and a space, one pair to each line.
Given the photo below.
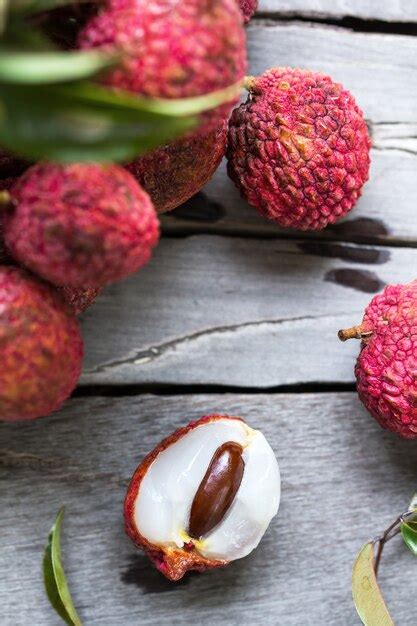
163, 505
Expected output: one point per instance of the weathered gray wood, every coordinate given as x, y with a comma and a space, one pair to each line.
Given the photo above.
380, 71
344, 481
388, 10
218, 310
385, 213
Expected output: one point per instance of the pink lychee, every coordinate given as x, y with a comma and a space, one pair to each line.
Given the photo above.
248, 8
41, 348
172, 49
299, 148
80, 225
173, 173
386, 369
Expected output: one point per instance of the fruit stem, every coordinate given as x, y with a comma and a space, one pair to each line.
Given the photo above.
248, 82
6, 201
356, 332
392, 531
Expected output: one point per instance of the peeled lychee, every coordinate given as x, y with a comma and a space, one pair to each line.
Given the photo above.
41, 348
204, 497
172, 49
248, 8
299, 148
80, 225
386, 370
173, 173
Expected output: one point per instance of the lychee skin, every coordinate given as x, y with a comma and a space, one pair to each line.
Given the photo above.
299, 148
172, 562
79, 299
386, 370
174, 173
80, 225
172, 49
248, 8
41, 348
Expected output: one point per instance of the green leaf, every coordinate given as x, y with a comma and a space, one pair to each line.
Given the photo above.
67, 125
409, 535
367, 597
54, 577
36, 68
38, 6
87, 122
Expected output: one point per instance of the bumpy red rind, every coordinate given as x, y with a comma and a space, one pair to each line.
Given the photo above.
248, 8
298, 149
80, 225
172, 50
172, 174
173, 563
386, 369
41, 348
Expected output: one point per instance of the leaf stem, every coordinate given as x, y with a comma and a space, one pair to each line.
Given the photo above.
392, 530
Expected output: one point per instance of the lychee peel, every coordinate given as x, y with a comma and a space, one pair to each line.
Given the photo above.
248, 8
299, 148
41, 348
172, 49
161, 498
80, 225
79, 299
386, 369
174, 173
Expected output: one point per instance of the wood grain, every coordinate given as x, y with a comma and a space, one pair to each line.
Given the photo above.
344, 481
241, 312
387, 10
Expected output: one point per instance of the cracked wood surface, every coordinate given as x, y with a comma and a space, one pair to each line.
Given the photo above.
242, 312
344, 480
386, 10
380, 71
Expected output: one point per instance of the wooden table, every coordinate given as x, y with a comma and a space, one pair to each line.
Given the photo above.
235, 315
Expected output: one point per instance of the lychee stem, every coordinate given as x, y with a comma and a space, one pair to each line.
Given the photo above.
6, 201
356, 332
248, 82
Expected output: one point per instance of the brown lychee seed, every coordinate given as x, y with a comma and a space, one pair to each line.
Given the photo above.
197, 501
386, 369
41, 348
298, 149
174, 173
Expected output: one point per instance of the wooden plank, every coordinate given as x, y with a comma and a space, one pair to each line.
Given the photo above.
366, 64
242, 312
344, 481
387, 10
379, 69
385, 213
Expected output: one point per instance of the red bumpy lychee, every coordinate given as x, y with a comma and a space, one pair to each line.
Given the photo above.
386, 370
172, 49
173, 173
299, 148
79, 225
41, 348
248, 8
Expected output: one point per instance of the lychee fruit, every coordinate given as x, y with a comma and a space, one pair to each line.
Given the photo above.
41, 348
79, 299
172, 174
172, 49
80, 225
204, 497
299, 148
248, 8
386, 369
